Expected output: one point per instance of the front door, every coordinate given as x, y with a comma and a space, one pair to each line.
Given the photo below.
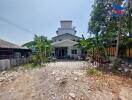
61, 52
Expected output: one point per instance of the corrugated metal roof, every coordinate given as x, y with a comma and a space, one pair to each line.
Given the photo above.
5, 44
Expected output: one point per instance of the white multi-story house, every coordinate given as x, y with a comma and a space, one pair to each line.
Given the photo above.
65, 43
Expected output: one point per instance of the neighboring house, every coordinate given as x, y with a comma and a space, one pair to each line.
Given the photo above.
12, 55
65, 43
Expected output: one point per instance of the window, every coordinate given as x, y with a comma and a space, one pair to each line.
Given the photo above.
74, 51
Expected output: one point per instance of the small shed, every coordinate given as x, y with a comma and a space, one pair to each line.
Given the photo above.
12, 54
9, 50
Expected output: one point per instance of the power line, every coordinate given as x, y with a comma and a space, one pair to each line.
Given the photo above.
14, 24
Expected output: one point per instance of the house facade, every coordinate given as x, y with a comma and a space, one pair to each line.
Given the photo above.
65, 43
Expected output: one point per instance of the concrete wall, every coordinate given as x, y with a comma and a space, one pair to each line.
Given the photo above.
8, 63
64, 31
66, 24
4, 64
130, 4
66, 27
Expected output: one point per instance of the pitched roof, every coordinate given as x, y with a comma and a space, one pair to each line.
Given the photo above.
5, 44
67, 34
64, 43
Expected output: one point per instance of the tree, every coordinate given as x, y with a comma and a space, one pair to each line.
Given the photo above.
29, 44
106, 28
87, 45
40, 47
98, 24
130, 16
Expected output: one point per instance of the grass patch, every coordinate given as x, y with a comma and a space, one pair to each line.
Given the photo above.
23, 67
27, 66
93, 72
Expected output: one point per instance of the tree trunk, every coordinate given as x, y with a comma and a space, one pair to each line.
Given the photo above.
117, 44
129, 17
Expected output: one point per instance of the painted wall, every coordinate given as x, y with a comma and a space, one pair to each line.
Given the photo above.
66, 27
74, 55
66, 24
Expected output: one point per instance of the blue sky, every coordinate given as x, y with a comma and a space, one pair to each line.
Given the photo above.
24, 18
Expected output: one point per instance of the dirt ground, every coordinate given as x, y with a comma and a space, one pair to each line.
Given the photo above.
63, 81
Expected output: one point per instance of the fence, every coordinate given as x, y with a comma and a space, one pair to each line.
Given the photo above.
8, 63
127, 54
111, 52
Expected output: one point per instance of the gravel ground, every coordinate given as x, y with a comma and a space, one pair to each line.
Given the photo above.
61, 81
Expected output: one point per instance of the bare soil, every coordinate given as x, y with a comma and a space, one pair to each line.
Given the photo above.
64, 80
